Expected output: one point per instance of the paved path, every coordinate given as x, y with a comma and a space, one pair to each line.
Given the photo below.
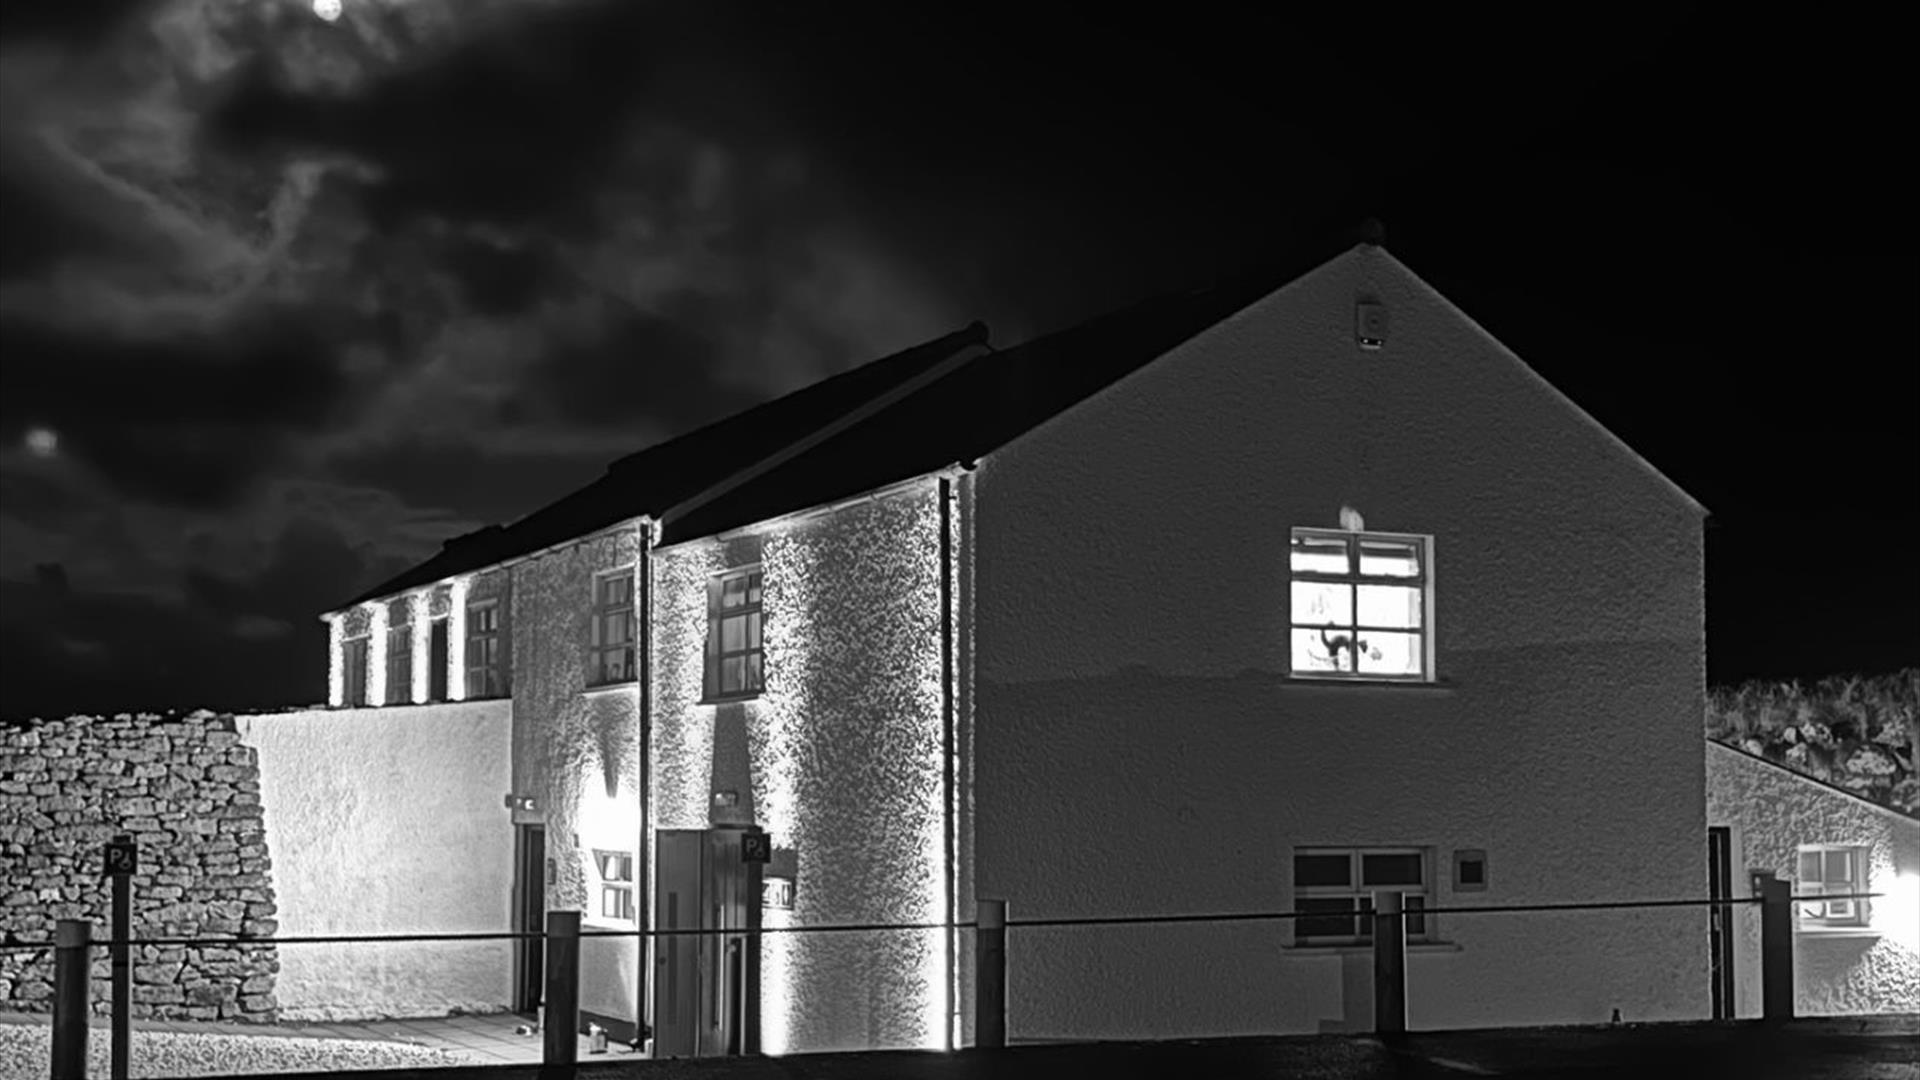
1886, 1048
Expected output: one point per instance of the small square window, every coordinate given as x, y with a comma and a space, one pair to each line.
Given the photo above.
1469, 870
1333, 892
1833, 872
1360, 606
616, 884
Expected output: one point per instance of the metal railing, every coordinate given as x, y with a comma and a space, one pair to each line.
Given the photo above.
73, 944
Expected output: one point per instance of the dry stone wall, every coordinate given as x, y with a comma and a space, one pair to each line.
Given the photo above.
188, 789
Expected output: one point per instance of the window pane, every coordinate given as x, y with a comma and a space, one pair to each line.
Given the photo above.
1809, 866
753, 587
754, 678
1322, 650
1389, 558
1324, 917
733, 592
1322, 603
1320, 555
753, 630
1416, 924
733, 672
1839, 868
1322, 869
1385, 652
1386, 871
1388, 605
733, 634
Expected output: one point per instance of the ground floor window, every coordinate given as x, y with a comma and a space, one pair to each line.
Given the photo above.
1831, 870
616, 884
1333, 889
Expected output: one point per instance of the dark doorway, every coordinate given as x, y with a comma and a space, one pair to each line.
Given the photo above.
1720, 931
437, 662
529, 915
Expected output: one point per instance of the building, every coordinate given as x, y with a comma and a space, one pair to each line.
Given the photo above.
1242, 600
1850, 956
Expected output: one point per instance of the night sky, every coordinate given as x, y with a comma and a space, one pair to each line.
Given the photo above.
284, 302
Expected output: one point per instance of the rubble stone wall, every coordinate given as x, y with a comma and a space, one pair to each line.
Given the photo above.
188, 790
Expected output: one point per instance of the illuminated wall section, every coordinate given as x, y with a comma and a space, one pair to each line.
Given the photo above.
577, 750
377, 651
420, 622
846, 763
336, 662
457, 638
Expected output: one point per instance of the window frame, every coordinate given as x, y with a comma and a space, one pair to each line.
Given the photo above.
1857, 914
598, 651
491, 670
1353, 578
750, 609
354, 685
1419, 930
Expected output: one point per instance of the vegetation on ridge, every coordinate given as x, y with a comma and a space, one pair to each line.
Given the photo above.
1858, 732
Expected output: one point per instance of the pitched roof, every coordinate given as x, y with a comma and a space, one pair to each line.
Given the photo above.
661, 476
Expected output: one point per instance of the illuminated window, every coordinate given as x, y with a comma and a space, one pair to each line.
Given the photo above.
1360, 605
1831, 870
610, 655
353, 662
616, 884
399, 656
1333, 888
486, 672
735, 663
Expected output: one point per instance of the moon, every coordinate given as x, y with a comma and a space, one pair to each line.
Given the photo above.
327, 9
42, 442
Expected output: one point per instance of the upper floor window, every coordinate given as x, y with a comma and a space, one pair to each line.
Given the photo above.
1333, 891
610, 655
399, 659
1361, 605
353, 668
437, 660
486, 655
1831, 870
735, 660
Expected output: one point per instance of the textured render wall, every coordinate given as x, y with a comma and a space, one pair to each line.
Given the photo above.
577, 751
188, 791
844, 764
1772, 811
1139, 749
389, 821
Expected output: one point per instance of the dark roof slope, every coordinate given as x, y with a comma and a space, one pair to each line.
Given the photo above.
983, 404
654, 479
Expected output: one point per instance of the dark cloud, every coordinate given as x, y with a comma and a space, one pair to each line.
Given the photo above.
192, 421
642, 366
71, 22
500, 279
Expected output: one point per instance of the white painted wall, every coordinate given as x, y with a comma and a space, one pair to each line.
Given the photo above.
388, 821
1772, 811
1139, 749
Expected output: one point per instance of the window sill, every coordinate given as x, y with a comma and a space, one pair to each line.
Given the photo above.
1343, 950
733, 699
1840, 932
1443, 686
600, 689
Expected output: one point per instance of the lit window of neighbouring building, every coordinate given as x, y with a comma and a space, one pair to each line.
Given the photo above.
610, 651
486, 669
1333, 889
616, 884
1361, 605
735, 666
399, 655
1831, 870
353, 671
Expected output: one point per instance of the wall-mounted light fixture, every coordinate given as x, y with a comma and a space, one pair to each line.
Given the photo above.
520, 802
726, 798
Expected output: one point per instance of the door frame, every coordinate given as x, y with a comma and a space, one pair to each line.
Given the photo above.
1721, 936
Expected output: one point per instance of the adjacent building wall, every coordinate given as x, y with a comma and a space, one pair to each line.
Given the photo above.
840, 760
1140, 749
188, 790
389, 821
1772, 811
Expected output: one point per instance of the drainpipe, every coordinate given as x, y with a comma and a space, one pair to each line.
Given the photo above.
643, 903
946, 735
